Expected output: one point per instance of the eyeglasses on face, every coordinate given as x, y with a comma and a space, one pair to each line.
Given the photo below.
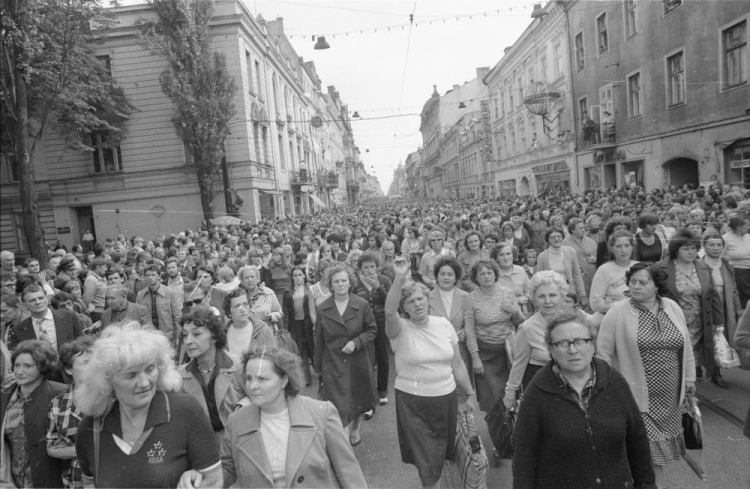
578, 342
193, 302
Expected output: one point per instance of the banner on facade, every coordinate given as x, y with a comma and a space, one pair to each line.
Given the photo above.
555, 167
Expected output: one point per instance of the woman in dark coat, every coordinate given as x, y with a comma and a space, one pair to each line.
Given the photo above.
578, 424
690, 285
296, 308
344, 329
23, 411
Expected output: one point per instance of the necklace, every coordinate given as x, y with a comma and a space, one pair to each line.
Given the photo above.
207, 371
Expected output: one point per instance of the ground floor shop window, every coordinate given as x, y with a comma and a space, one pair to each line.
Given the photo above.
553, 182
632, 173
593, 178
738, 165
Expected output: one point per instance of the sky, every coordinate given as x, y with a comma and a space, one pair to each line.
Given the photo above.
388, 75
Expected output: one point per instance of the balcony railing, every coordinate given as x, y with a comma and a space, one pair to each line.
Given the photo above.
604, 134
333, 180
301, 177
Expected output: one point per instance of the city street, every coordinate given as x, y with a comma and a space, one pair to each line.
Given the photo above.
727, 452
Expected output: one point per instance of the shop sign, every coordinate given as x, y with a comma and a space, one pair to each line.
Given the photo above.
609, 156
63, 230
556, 167
740, 163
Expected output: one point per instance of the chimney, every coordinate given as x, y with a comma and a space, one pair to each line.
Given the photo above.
482, 72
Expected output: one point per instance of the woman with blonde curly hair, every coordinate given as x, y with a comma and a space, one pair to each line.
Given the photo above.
138, 431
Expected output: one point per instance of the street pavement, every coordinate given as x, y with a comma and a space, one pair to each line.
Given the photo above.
726, 454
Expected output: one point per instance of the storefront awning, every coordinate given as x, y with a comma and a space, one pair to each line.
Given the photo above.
318, 201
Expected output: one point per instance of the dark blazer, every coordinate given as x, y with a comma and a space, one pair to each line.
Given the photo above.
287, 305
67, 328
711, 309
347, 379
135, 312
45, 470
319, 453
557, 444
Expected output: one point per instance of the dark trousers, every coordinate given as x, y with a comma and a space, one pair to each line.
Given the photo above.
301, 331
381, 357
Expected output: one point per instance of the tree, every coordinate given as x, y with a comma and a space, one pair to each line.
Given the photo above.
52, 80
197, 81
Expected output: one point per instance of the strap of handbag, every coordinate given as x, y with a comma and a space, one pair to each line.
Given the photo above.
97, 434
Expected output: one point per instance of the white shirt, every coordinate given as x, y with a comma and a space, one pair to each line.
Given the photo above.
238, 339
275, 430
447, 300
46, 325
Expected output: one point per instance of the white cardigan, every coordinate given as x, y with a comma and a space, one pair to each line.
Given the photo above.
617, 344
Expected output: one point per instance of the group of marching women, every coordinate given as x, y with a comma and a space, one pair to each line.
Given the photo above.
593, 317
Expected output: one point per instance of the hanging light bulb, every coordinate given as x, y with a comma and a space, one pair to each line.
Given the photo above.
462, 105
355, 115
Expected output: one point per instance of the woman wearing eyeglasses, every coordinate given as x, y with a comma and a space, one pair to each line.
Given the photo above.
646, 339
578, 424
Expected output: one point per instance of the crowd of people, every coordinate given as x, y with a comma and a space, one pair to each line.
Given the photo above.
180, 360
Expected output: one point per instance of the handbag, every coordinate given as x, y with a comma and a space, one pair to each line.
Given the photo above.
692, 424
725, 355
471, 457
284, 340
500, 424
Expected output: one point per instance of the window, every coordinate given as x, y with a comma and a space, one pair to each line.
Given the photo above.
291, 151
580, 60
520, 90
671, 5
282, 159
259, 87
107, 154
512, 136
107, 62
634, 95
189, 160
10, 169
275, 95
558, 67
675, 79
734, 46
601, 32
264, 132
522, 135
543, 68
631, 17
583, 106
509, 89
249, 67
256, 140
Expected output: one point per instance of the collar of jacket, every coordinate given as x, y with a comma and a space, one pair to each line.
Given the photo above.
546, 381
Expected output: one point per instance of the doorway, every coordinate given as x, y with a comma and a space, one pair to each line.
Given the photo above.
682, 171
85, 218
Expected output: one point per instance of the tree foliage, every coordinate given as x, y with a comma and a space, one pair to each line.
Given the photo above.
197, 81
52, 80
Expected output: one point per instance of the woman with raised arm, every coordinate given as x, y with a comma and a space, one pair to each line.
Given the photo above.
428, 366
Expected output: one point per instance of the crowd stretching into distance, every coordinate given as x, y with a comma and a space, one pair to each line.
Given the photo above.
180, 360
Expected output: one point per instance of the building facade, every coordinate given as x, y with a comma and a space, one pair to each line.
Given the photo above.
678, 115
147, 183
533, 153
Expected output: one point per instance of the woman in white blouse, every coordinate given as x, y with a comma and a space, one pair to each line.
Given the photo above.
609, 284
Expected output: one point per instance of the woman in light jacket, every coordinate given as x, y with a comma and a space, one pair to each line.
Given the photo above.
646, 339
447, 301
284, 439
210, 365
563, 260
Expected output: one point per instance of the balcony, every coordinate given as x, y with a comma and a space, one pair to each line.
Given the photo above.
352, 185
301, 177
599, 136
333, 179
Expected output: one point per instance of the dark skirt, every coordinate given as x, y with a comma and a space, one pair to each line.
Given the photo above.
426, 432
742, 280
491, 385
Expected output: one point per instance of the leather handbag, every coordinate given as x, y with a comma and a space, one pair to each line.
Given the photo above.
500, 423
471, 457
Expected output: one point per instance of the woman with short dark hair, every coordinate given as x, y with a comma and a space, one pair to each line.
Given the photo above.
650, 243
689, 283
646, 339
212, 375
578, 425
64, 416
24, 407
297, 307
563, 260
282, 430
491, 313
